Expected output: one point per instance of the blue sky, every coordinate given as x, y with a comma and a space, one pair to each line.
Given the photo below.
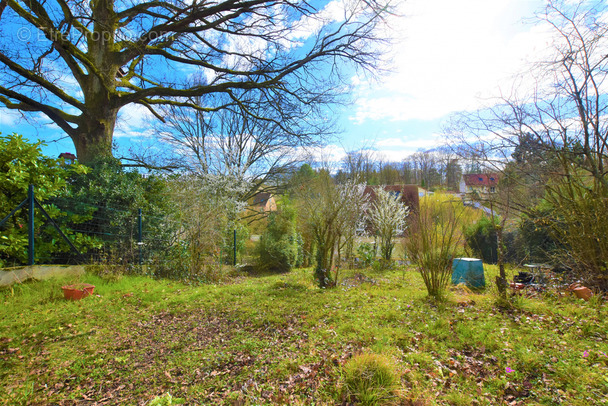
447, 56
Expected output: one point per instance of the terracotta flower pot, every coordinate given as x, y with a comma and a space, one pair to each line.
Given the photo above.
517, 286
77, 291
583, 292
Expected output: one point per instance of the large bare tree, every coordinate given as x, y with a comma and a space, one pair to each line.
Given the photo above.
78, 63
258, 141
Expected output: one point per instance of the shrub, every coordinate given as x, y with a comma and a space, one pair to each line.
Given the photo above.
481, 238
437, 239
277, 250
331, 214
22, 164
228, 248
371, 379
166, 400
579, 221
514, 247
206, 210
366, 253
105, 201
538, 238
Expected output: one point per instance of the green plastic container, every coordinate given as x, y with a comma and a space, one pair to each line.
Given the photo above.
468, 271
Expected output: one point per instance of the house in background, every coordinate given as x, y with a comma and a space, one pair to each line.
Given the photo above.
68, 157
424, 192
264, 202
478, 185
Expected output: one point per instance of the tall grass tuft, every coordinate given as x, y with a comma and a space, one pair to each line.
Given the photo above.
371, 379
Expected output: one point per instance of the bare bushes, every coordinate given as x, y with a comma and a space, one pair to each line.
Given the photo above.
332, 214
437, 239
579, 219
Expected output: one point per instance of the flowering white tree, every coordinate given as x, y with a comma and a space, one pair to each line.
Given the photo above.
387, 216
208, 208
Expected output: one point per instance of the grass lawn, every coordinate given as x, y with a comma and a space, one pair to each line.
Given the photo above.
280, 340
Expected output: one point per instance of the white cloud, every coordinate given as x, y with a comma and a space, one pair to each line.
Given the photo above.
408, 143
296, 31
397, 148
334, 11
8, 118
328, 154
34, 123
134, 120
449, 54
393, 149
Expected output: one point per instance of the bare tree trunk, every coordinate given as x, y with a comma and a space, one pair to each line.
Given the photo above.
501, 279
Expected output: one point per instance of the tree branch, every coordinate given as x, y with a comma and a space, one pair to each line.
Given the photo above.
61, 118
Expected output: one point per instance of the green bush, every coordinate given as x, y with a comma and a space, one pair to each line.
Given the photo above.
300, 254
514, 247
228, 248
366, 253
22, 164
166, 400
481, 238
278, 249
106, 200
538, 237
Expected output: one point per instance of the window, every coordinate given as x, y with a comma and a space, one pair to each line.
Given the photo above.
492, 189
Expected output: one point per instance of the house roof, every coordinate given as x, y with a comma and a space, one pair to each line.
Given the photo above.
481, 179
261, 198
67, 155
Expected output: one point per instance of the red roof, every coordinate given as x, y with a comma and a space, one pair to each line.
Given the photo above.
261, 198
67, 155
481, 179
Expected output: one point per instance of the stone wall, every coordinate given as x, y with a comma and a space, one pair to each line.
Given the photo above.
8, 276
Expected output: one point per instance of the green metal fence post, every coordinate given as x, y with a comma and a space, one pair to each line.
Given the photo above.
30, 231
234, 248
140, 237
